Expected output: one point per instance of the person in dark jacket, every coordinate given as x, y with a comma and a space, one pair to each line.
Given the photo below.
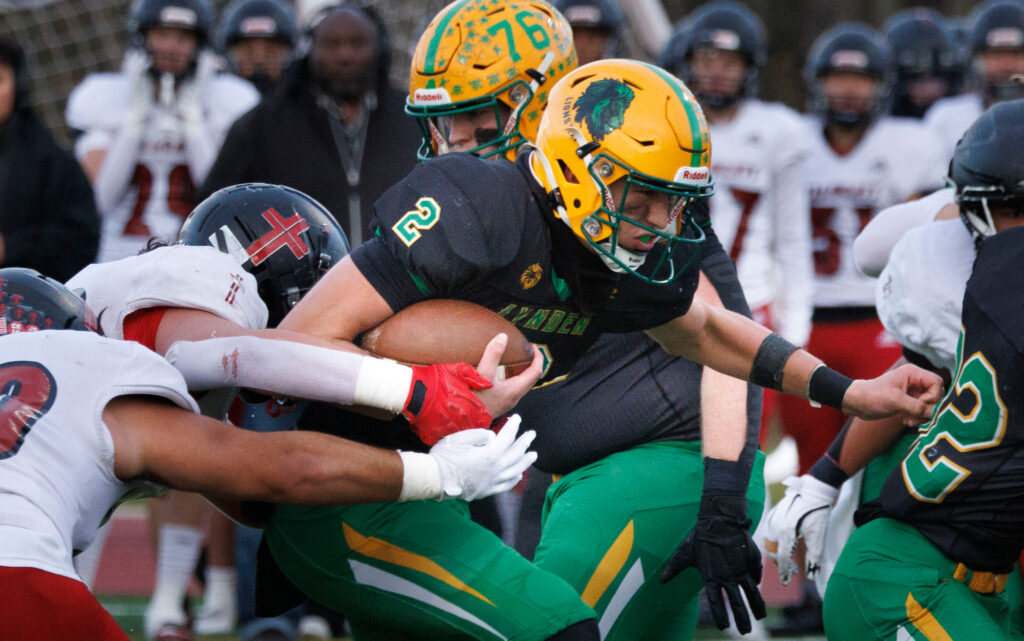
48, 218
334, 128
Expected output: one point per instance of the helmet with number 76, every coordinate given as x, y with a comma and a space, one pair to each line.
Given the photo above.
626, 120
498, 55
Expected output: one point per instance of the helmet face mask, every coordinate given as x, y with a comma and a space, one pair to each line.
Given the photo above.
613, 220
495, 122
616, 128
849, 49
284, 238
192, 16
987, 169
480, 54
997, 45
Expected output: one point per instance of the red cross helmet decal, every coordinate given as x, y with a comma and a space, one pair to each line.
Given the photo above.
284, 232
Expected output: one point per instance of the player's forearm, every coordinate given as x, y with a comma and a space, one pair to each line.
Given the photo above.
291, 369
723, 409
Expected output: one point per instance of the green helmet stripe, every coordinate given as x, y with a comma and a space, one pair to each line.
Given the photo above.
430, 63
691, 115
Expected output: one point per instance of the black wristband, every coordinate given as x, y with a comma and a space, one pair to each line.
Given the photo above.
726, 478
828, 387
770, 361
828, 471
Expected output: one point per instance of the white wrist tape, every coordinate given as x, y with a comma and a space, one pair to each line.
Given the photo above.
292, 369
421, 477
383, 383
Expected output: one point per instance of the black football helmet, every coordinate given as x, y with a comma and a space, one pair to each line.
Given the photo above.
596, 14
195, 15
997, 25
922, 51
725, 25
31, 302
848, 46
988, 166
278, 234
257, 19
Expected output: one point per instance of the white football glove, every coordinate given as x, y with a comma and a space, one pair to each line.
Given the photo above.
140, 88
190, 95
478, 463
801, 514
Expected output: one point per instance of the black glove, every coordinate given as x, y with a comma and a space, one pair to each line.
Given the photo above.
722, 550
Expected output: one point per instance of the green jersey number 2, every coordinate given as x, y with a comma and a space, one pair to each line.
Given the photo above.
411, 226
931, 476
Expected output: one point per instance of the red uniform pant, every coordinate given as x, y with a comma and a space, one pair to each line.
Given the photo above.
39, 605
857, 348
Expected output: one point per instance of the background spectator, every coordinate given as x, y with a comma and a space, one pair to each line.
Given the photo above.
335, 129
48, 218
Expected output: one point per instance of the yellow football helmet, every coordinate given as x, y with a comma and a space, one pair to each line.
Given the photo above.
496, 54
625, 119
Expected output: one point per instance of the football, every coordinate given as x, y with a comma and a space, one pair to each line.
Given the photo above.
447, 331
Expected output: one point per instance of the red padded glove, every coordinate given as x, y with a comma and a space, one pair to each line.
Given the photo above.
441, 401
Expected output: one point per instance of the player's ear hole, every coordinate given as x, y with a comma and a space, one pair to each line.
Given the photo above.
567, 173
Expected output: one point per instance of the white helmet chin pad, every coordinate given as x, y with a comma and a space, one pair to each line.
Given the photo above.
631, 259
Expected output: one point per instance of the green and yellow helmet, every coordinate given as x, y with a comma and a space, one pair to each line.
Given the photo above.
625, 119
497, 54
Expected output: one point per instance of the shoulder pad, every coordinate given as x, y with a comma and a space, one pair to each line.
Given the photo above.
457, 206
229, 96
98, 101
183, 276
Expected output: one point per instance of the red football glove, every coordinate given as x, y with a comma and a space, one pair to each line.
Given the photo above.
441, 401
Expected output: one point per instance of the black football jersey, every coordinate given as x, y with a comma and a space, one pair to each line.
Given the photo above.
962, 482
483, 231
626, 390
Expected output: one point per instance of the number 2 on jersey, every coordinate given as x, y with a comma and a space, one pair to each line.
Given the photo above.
411, 226
929, 475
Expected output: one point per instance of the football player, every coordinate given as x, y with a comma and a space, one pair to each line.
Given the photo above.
593, 233
861, 161
920, 295
925, 61
149, 134
92, 421
258, 37
270, 244
594, 436
997, 50
597, 27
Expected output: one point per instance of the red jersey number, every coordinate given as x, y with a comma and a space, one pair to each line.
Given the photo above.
825, 240
746, 200
181, 196
27, 392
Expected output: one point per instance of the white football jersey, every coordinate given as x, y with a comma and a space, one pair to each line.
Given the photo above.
57, 482
920, 292
896, 159
194, 277
162, 188
950, 117
760, 210
874, 244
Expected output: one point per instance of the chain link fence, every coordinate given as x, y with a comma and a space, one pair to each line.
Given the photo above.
67, 39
